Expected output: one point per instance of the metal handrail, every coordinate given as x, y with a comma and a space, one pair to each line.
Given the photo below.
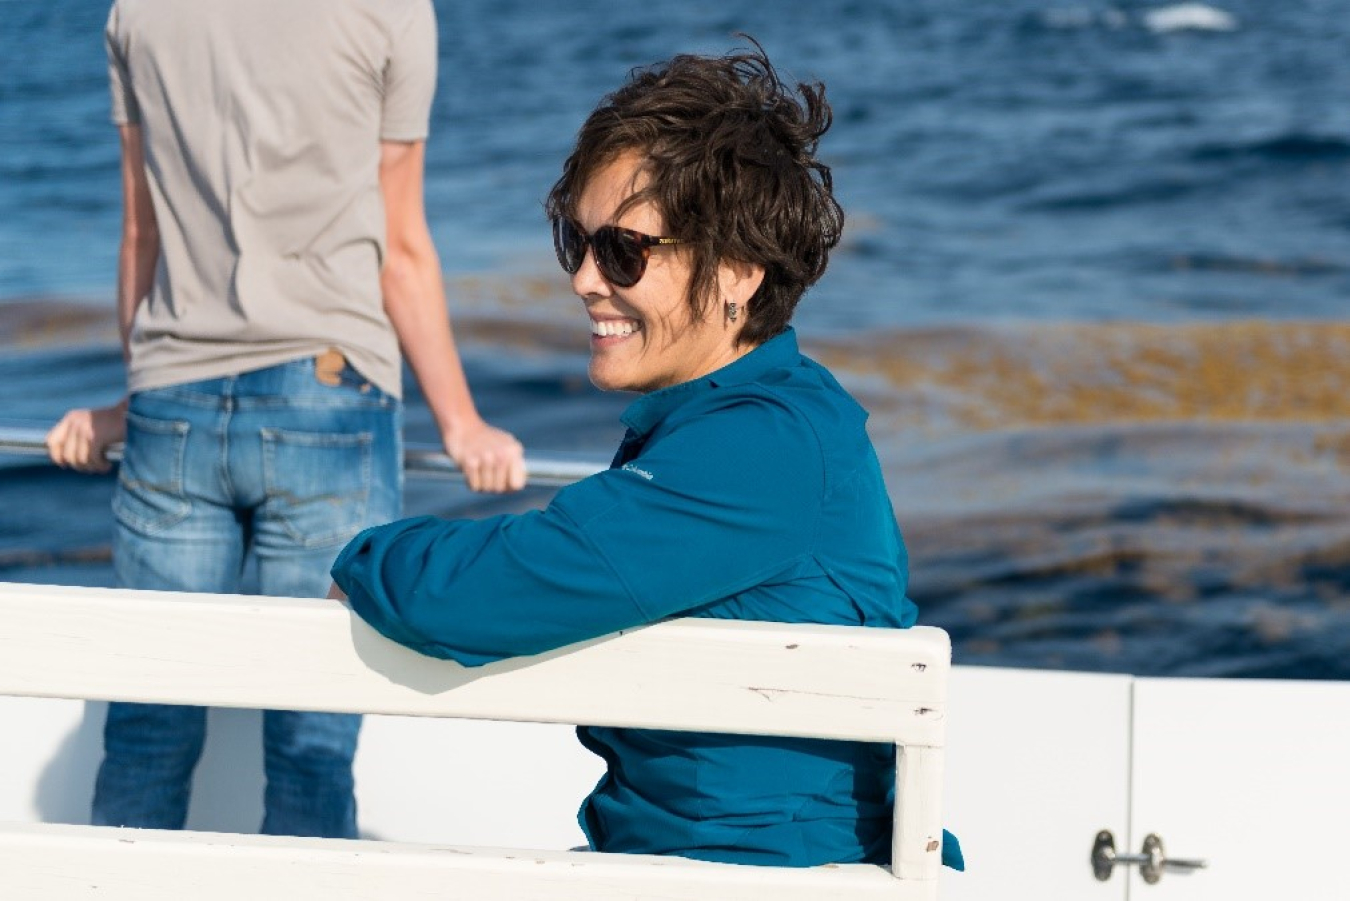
421, 460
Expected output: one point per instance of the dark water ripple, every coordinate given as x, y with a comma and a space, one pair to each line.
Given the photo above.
1294, 149
1176, 564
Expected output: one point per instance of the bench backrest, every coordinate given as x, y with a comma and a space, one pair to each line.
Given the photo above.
701, 675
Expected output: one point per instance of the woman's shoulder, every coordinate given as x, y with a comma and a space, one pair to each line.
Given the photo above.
805, 390
797, 411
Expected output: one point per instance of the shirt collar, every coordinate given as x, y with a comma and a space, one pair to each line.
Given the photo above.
779, 352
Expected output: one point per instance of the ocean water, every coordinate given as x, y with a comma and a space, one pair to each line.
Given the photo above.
1093, 290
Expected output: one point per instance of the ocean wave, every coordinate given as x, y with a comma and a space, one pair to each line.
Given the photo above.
1285, 148
1161, 20
1265, 266
1191, 177
1076, 18
1189, 17
1157, 190
1167, 549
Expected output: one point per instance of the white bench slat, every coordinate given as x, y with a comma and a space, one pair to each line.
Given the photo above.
76, 862
916, 832
303, 654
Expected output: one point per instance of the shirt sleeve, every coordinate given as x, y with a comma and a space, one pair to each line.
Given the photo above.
410, 77
722, 503
125, 109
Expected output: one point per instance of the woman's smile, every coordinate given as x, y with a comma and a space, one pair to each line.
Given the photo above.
603, 330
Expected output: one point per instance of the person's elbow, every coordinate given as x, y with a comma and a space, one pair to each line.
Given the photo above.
141, 234
397, 275
406, 271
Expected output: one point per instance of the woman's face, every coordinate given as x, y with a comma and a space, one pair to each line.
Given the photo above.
645, 337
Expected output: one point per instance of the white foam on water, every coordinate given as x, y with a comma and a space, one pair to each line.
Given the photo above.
1189, 17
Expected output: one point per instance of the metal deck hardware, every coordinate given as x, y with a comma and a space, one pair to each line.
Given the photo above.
1152, 860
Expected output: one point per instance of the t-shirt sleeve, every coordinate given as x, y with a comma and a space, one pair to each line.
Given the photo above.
125, 110
410, 76
714, 508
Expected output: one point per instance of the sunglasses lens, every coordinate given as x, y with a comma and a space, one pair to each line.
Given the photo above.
619, 254
621, 259
569, 243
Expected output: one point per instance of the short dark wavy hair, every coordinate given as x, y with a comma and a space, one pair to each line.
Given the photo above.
730, 155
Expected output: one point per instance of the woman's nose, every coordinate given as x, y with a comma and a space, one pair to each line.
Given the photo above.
587, 280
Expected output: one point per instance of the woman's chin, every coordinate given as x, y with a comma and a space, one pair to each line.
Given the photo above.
605, 378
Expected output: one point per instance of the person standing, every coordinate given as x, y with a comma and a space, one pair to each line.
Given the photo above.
275, 259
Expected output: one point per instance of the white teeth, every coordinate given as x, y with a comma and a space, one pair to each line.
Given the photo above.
609, 328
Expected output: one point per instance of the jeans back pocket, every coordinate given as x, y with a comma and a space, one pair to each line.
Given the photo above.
317, 483
149, 496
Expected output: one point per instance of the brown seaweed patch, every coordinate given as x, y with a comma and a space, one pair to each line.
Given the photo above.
1108, 643
41, 322
533, 296
524, 336
1274, 625
38, 559
529, 313
1334, 444
1063, 374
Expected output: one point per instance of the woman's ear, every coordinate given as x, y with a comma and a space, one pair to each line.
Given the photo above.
739, 281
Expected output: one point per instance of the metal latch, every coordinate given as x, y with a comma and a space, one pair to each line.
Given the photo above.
1152, 861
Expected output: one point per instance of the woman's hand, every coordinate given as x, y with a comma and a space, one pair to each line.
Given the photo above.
81, 439
337, 594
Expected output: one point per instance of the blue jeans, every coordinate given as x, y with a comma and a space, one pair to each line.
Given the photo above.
272, 464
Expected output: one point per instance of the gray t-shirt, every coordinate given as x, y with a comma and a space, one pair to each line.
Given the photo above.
262, 122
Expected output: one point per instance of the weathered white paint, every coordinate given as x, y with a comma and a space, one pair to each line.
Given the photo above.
750, 678
68, 862
706, 675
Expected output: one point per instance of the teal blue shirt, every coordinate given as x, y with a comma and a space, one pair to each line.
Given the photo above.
751, 493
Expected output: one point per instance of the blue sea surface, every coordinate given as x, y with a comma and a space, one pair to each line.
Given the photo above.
1093, 289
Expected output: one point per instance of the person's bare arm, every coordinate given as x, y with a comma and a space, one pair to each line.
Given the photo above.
139, 254
81, 439
414, 299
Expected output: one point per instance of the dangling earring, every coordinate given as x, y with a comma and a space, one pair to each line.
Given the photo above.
733, 310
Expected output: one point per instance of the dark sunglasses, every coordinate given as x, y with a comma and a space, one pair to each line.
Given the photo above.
620, 253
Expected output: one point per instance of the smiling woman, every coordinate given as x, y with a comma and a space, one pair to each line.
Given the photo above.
714, 157
692, 216
644, 335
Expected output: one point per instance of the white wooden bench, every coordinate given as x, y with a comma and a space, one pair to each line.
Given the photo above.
694, 674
